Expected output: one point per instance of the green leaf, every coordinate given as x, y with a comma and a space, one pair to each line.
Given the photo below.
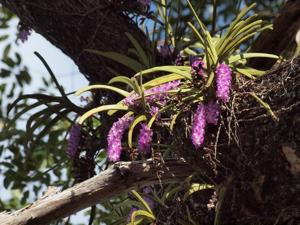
236, 58
197, 187
101, 86
266, 106
124, 80
180, 70
141, 213
101, 109
161, 80
138, 120
236, 24
174, 118
245, 72
251, 71
141, 53
138, 197
120, 58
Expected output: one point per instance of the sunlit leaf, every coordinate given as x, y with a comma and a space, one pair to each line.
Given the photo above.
101, 109
103, 87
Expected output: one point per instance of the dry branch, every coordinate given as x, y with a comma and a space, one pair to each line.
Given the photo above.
119, 178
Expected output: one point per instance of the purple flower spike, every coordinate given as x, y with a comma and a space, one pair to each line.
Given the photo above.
131, 100
197, 68
212, 112
223, 80
145, 139
145, 2
114, 137
73, 141
154, 93
198, 127
154, 110
164, 50
179, 61
132, 210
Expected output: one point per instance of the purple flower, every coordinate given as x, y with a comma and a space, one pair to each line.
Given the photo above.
147, 190
164, 50
24, 32
223, 80
145, 2
149, 201
179, 61
133, 208
145, 139
197, 68
154, 110
73, 141
198, 126
155, 94
114, 137
212, 111
131, 100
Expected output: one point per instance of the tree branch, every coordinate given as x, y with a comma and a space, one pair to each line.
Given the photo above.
74, 26
119, 178
281, 38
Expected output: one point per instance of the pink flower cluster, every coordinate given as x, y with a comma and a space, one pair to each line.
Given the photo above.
198, 68
155, 94
73, 141
145, 139
204, 114
223, 80
145, 2
114, 139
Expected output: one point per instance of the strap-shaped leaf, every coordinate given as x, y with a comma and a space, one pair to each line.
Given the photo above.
234, 23
251, 71
40, 116
40, 97
162, 80
138, 120
124, 80
266, 106
49, 125
245, 72
184, 71
142, 213
26, 109
104, 87
101, 109
138, 197
141, 53
197, 187
236, 58
174, 118
132, 64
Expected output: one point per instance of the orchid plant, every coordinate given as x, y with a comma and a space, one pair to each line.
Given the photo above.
196, 86
203, 82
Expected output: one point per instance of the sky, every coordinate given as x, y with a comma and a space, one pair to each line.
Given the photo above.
63, 67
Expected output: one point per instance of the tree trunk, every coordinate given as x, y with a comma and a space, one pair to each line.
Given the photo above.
74, 26
280, 40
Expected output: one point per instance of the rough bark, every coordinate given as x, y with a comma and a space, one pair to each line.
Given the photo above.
119, 178
282, 38
74, 26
